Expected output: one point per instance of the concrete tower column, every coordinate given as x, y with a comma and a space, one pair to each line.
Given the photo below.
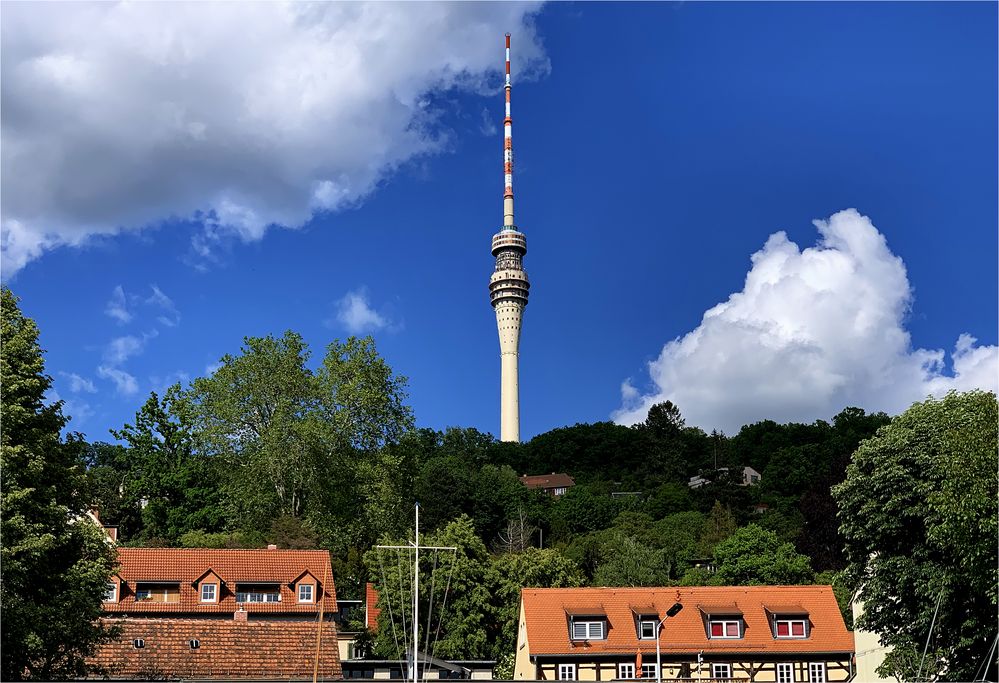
509, 286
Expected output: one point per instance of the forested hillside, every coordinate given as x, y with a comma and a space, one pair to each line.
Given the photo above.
276, 448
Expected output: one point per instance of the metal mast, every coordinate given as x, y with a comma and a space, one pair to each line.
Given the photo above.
509, 286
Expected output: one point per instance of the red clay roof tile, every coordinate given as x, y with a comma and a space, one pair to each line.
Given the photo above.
546, 609
227, 649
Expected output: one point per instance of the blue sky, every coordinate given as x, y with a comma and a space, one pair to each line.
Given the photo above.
148, 173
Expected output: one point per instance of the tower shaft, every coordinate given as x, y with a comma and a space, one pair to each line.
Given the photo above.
509, 286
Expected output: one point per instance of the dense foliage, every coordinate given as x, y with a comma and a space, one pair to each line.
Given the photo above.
919, 513
55, 561
277, 447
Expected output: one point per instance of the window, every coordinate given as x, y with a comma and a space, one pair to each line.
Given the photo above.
726, 628
566, 672
626, 671
158, 592
305, 592
649, 671
587, 630
560, 491
817, 672
647, 629
112, 592
790, 628
259, 593
138, 643
721, 671
785, 673
209, 592
194, 643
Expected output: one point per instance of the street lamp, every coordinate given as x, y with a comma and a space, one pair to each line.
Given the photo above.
671, 612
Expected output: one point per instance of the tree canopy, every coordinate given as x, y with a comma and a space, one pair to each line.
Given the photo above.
56, 564
918, 510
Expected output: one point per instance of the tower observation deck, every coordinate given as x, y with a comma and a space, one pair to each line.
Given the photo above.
508, 285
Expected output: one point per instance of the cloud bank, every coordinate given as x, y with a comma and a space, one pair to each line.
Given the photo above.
240, 116
811, 332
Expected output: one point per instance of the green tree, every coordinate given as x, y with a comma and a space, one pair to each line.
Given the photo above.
282, 430
918, 510
462, 628
533, 568
161, 465
754, 556
628, 562
719, 525
56, 563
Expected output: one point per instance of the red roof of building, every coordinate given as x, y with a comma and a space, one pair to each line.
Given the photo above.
548, 610
547, 481
226, 649
187, 566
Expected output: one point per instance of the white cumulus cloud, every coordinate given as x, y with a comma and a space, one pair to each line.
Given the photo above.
355, 313
240, 116
811, 332
125, 383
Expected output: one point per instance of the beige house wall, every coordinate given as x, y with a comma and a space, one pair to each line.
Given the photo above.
523, 669
870, 652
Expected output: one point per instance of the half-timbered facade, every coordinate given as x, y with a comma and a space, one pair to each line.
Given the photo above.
773, 634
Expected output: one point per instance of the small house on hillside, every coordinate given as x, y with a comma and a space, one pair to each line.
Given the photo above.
554, 484
747, 477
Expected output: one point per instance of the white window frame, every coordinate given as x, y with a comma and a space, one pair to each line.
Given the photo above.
566, 672
626, 671
790, 628
111, 595
649, 671
214, 591
725, 624
312, 592
785, 672
717, 668
817, 672
641, 625
591, 630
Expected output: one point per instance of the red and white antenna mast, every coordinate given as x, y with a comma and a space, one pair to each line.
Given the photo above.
507, 149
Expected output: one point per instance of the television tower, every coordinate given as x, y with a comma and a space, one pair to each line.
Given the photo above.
508, 286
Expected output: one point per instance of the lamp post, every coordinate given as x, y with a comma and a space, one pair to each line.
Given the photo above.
671, 612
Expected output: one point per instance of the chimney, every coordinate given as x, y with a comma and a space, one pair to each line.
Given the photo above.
271, 546
240, 615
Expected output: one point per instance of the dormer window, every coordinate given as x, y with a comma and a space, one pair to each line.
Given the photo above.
306, 592
258, 592
111, 594
209, 592
725, 628
583, 629
647, 627
790, 627
157, 592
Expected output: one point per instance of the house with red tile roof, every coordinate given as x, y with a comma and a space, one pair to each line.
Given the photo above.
221, 613
554, 484
779, 634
